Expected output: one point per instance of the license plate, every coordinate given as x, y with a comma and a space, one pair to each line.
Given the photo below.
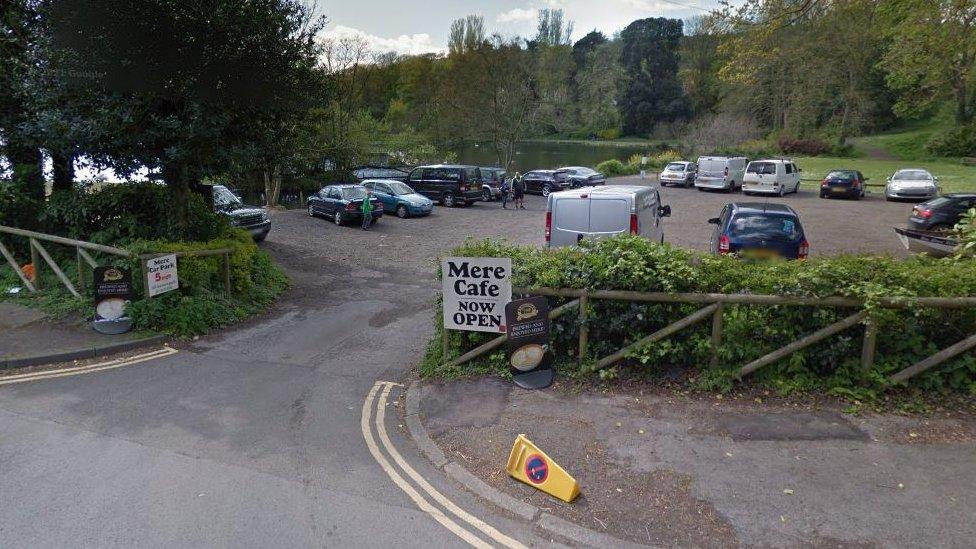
837, 189
760, 253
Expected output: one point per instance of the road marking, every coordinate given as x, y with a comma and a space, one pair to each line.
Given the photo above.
79, 370
490, 531
422, 503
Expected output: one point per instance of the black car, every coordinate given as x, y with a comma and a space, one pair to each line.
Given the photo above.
342, 203
451, 185
579, 176
491, 183
848, 183
942, 213
546, 181
252, 220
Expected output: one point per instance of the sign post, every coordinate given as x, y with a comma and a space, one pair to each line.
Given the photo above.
112, 289
529, 355
161, 275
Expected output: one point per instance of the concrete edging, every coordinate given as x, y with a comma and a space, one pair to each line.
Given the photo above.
521, 509
79, 354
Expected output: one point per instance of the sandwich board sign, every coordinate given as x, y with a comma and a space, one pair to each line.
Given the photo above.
112, 291
476, 290
529, 355
161, 275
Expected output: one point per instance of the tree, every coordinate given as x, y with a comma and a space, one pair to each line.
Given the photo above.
551, 31
649, 56
466, 35
19, 22
587, 45
700, 62
598, 85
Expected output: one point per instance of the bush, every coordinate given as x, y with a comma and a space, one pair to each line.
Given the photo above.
959, 141
609, 134
633, 263
614, 167
807, 147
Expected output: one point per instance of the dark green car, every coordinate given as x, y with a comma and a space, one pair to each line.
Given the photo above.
253, 220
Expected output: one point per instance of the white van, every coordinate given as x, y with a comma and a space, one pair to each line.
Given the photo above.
720, 172
598, 212
776, 176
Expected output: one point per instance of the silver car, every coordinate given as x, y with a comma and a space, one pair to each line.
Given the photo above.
681, 174
912, 184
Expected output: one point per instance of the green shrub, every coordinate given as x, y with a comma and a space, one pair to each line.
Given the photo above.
609, 134
956, 142
614, 167
633, 263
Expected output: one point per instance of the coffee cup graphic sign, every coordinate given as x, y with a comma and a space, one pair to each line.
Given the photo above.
529, 356
112, 292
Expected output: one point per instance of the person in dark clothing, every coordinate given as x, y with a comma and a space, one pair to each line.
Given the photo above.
518, 191
506, 189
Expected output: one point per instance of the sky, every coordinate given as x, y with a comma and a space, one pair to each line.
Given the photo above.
422, 26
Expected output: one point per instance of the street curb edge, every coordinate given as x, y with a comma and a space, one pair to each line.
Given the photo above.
80, 354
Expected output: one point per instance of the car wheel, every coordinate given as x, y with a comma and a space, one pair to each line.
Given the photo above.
311, 212
448, 200
782, 191
402, 212
546, 190
338, 218
260, 238
486, 195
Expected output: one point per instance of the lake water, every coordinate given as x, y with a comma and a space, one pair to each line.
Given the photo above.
538, 155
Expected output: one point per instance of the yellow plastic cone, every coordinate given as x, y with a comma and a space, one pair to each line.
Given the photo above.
532, 466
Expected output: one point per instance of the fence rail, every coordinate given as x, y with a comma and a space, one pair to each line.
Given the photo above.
714, 307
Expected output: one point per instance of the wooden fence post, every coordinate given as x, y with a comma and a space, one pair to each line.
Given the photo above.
870, 345
16, 267
717, 321
584, 328
144, 261
36, 263
803, 342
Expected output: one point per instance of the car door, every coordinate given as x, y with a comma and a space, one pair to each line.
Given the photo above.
333, 201
416, 181
385, 195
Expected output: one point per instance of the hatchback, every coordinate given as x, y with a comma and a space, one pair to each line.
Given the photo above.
580, 176
849, 183
342, 203
912, 184
681, 174
759, 231
399, 198
942, 213
545, 181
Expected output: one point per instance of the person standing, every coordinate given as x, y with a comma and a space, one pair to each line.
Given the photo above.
367, 211
518, 191
506, 190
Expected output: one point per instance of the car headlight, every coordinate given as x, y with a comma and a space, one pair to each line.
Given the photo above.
264, 216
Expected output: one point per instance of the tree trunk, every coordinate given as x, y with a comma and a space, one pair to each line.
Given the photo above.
63, 170
177, 180
964, 112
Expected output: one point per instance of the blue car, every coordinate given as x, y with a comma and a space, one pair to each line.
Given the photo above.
759, 231
399, 198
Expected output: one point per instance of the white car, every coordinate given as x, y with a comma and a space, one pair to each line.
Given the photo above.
912, 184
776, 176
680, 173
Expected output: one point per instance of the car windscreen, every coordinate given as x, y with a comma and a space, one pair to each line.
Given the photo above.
842, 174
399, 188
585, 171
761, 226
353, 193
675, 167
938, 202
912, 175
224, 199
762, 168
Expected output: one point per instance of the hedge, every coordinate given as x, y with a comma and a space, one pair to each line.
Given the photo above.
633, 263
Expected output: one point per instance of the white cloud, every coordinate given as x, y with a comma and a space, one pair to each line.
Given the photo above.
517, 15
656, 6
412, 44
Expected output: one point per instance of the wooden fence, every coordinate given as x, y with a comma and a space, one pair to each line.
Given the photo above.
83, 257
713, 307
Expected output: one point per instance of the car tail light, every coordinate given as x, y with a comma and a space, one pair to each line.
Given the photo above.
351, 207
724, 244
464, 188
804, 250
548, 227
824, 183
855, 183
923, 213
634, 229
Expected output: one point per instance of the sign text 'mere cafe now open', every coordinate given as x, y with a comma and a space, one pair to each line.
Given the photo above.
476, 290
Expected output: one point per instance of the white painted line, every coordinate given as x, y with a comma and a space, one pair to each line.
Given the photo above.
422, 503
489, 530
79, 370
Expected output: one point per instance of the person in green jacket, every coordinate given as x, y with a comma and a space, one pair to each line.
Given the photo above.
367, 210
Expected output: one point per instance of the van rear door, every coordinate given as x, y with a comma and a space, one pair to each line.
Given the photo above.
570, 218
609, 215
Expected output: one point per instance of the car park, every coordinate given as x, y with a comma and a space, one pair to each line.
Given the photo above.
580, 176
845, 183
448, 184
545, 181
759, 231
773, 176
252, 220
912, 184
399, 198
681, 174
491, 183
342, 204
720, 172
599, 212
941, 213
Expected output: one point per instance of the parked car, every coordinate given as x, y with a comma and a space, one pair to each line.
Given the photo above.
450, 185
598, 212
545, 181
720, 172
399, 198
942, 213
775, 176
680, 173
342, 203
759, 230
253, 220
363, 173
849, 183
580, 176
912, 184
491, 183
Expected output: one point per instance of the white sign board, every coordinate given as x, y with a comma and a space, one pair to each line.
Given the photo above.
161, 275
476, 290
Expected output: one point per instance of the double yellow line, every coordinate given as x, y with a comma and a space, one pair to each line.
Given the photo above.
97, 367
379, 395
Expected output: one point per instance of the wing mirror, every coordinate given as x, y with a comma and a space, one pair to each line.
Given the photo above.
714, 221
664, 211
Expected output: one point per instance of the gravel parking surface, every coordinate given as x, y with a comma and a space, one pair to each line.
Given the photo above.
832, 226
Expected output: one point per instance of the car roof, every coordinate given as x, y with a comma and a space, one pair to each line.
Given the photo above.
344, 185
762, 207
784, 160
447, 166
960, 195
378, 180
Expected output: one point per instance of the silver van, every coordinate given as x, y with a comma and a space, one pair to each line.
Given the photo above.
720, 172
597, 212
